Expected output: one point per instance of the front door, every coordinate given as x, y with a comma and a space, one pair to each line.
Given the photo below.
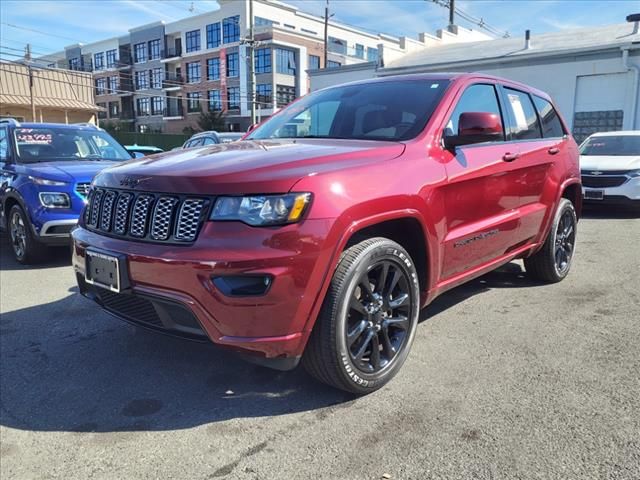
481, 195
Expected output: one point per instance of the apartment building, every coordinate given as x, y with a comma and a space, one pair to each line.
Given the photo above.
161, 76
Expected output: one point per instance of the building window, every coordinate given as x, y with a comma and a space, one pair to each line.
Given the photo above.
337, 45
114, 109
213, 69
98, 61
101, 86
285, 95
154, 49
140, 52
372, 54
142, 106
285, 61
332, 64
215, 101
193, 72
156, 77
263, 95
213, 35
314, 62
112, 58
233, 65
74, 63
260, 21
114, 84
192, 39
142, 80
231, 29
102, 113
233, 98
263, 60
157, 105
359, 51
193, 102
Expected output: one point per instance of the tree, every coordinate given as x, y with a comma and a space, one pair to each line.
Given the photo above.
211, 120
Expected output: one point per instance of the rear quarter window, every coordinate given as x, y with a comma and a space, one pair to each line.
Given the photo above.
524, 119
551, 124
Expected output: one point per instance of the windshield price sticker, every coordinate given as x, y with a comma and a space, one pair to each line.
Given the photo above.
34, 137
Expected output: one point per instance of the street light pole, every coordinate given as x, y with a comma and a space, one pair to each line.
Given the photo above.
252, 69
326, 32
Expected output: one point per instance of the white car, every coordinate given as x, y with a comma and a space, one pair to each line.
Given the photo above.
610, 168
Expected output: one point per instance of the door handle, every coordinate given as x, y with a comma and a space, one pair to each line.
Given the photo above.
553, 150
510, 157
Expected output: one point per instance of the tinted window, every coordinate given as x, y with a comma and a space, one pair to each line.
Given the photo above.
4, 144
389, 110
476, 98
194, 143
613, 145
551, 125
524, 119
209, 141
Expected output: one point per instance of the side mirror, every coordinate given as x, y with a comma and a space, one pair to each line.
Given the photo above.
138, 155
476, 127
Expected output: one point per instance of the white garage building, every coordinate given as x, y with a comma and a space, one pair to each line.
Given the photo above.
593, 73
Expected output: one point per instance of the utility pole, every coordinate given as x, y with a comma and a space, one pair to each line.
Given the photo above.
326, 32
452, 12
27, 57
252, 67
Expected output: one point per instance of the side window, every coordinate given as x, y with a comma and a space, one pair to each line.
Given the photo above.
476, 98
4, 144
208, 141
194, 143
524, 118
551, 124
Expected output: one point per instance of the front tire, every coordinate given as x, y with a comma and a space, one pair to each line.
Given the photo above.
368, 319
25, 247
552, 262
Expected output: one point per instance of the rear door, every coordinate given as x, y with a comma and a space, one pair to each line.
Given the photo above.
539, 141
481, 194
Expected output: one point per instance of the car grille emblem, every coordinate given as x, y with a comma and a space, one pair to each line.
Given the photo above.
596, 173
131, 182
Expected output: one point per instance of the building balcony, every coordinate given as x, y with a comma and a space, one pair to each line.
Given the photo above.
172, 81
171, 54
173, 110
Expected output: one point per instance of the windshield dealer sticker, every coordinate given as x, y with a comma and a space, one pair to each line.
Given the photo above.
34, 137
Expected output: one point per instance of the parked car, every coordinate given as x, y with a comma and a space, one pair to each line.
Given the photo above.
320, 236
138, 151
211, 138
610, 168
45, 173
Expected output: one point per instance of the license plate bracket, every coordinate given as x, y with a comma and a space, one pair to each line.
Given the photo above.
106, 270
594, 194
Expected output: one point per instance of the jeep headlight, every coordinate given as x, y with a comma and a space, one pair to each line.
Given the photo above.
262, 210
54, 200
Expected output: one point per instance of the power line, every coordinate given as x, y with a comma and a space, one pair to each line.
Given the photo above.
479, 21
39, 31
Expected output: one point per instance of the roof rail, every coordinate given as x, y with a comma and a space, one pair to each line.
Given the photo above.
87, 124
10, 120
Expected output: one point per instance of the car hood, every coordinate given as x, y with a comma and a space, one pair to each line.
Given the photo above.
609, 162
70, 171
265, 166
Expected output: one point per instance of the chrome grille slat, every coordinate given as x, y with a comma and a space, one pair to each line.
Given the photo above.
107, 210
83, 188
189, 219
162, 216
140, 215
145, 216
122, 213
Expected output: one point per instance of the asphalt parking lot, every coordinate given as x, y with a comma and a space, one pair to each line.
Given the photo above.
507, 379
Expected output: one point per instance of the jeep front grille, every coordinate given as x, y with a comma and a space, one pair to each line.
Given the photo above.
83, 189
152, 217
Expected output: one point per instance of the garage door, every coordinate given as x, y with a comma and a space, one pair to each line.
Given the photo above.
599, 104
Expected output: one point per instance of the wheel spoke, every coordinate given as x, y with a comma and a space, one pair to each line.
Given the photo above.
365, 286
387, 347
394, 281
354, 334
362, 348
356, 305
401, 322
382, 277
375, 352
399, 301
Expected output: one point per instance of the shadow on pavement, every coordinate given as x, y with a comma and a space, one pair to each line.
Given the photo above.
609, 212
55, 257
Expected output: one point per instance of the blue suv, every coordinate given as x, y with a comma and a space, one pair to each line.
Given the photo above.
45, 172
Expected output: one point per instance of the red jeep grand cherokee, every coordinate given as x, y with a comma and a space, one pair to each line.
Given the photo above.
322, 234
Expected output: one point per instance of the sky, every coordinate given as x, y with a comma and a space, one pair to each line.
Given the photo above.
50, 25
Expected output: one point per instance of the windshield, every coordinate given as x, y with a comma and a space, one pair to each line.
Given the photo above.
391, 110
618, 145
49, 144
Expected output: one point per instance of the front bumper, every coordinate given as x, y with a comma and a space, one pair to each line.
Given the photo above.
274, 325
626, 194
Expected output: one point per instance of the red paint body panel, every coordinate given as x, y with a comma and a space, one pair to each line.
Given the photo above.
476, 212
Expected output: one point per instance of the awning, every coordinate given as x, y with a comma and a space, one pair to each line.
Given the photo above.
55, 103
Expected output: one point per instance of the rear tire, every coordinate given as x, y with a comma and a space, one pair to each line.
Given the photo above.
368, 319
26, 249
552, 262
